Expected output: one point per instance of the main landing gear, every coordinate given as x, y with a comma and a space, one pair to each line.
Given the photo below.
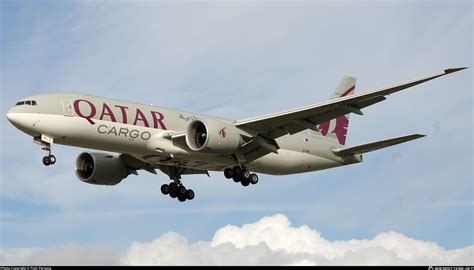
241, 175
176, 189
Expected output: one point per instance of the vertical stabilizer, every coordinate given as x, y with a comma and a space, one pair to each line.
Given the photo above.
336, 129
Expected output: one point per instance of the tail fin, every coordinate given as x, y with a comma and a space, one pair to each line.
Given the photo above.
336, 129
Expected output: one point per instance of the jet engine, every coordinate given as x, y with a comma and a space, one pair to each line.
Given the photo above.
100, 168
212, 136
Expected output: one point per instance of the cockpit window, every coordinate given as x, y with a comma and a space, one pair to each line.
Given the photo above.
27, 102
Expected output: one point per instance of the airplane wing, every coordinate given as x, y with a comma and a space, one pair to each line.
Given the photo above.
134, 164
292, 121
369, 147
271, 126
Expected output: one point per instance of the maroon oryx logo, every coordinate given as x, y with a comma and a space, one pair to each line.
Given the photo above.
222, 132
342, 123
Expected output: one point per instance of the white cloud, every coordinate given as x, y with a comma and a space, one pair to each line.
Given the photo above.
269, 241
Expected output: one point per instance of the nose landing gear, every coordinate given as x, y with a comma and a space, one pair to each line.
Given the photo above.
46, 142
49, 159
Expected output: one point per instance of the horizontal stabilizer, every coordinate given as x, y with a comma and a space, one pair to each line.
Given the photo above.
364, 148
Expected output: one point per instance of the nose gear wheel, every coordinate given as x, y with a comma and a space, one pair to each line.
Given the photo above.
49, 159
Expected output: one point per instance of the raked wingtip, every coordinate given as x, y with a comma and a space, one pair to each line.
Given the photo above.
451, 70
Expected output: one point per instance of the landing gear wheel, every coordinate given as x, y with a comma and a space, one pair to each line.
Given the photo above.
228, 173
173, 194
189, 194
52, 159
245, 182
253, 179
245, 174
182, 190
237, 170
182, 197
165, 189
174, 187
237, 178
46, 161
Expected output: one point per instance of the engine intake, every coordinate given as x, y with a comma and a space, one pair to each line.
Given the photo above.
100, 168
212, 136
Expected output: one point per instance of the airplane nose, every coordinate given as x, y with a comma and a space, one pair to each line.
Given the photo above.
13, 117
22, 121
10, 116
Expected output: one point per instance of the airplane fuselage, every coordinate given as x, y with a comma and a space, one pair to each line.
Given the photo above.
140, 130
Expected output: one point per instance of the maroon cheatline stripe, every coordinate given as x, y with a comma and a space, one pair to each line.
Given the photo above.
348, 91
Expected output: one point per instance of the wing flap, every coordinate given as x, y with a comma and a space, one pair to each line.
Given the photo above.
369, 147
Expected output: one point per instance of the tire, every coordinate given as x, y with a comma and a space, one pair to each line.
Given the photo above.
181, 190
52, 159
46, 161
173, 194
245, 182
165, 189
253, 179
245, 174
236, 170
182, 198
174, 187
237, 178
189, 194
228, 173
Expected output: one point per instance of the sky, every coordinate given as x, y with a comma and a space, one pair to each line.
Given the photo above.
408, 204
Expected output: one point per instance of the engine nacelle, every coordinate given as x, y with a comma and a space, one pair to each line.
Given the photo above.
212, 136
100, 168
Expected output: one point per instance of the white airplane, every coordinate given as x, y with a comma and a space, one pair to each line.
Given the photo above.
177, 143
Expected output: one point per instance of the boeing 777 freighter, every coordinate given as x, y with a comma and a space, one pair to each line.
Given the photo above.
134, 137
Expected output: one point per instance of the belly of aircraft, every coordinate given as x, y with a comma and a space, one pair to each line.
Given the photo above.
290, 162
133, 140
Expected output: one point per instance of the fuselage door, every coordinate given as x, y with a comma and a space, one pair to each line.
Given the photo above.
67, 107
